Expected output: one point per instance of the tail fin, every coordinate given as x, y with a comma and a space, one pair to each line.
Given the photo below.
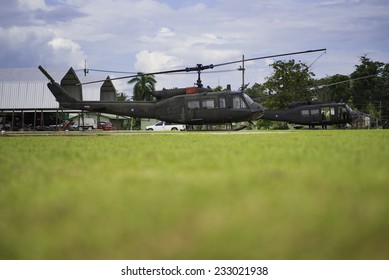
61, 95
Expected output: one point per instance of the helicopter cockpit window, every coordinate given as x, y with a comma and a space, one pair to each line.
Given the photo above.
193, 104
238, 102
208, 103
248, 99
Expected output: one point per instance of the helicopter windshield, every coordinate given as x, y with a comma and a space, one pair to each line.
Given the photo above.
348, 108
249, 101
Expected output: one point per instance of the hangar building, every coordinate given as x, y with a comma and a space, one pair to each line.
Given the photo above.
27, 104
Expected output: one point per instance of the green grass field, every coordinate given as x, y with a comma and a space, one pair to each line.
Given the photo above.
281, 195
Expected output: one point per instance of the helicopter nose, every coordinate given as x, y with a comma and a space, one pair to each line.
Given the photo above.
257, 111
354, 116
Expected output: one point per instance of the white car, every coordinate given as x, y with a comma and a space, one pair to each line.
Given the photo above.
163, 126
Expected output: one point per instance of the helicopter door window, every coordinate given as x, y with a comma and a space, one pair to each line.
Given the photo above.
340, 111
238, 102
325, 113
208, 104
332, 110
193, 104
222, 102
315, 112
305, 113
343, 112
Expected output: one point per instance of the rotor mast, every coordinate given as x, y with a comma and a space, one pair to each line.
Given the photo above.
199, 68
241, 68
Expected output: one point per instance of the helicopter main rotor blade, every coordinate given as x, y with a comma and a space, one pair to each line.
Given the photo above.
136, 75
200, 67
268, 56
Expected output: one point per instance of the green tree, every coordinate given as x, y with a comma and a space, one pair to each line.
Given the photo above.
144, 85
121, 96
370, 92
290, 82
384, 97
366, 90
218, 88
258, 92
336, 88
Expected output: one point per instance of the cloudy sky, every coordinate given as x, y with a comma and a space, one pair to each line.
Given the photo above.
155, 35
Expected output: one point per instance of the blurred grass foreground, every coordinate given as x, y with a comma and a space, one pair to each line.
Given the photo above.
282, 195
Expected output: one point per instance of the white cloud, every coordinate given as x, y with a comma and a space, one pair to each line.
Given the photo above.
32, 5
162, 36
166, 32
66, 51
61, 44
23, 46
147, 61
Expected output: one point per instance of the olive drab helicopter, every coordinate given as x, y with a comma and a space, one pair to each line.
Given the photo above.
190, 106
313, 114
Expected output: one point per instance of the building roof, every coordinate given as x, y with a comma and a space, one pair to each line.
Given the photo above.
26, 88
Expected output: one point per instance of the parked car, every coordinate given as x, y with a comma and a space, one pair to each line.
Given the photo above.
89, 124
163, 126
5, 126
66, 125
104, 125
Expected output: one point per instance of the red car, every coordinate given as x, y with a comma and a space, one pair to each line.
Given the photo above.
104, 125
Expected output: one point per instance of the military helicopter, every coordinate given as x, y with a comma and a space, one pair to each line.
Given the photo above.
314, 113
190, 106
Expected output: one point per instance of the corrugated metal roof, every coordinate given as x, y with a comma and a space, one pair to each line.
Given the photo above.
22, 88
23, 95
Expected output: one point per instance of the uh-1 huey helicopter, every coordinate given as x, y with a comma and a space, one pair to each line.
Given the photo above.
316, 113
313, 114
190, 106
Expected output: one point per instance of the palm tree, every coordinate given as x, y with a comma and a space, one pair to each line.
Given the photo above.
144, 86
121, 96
